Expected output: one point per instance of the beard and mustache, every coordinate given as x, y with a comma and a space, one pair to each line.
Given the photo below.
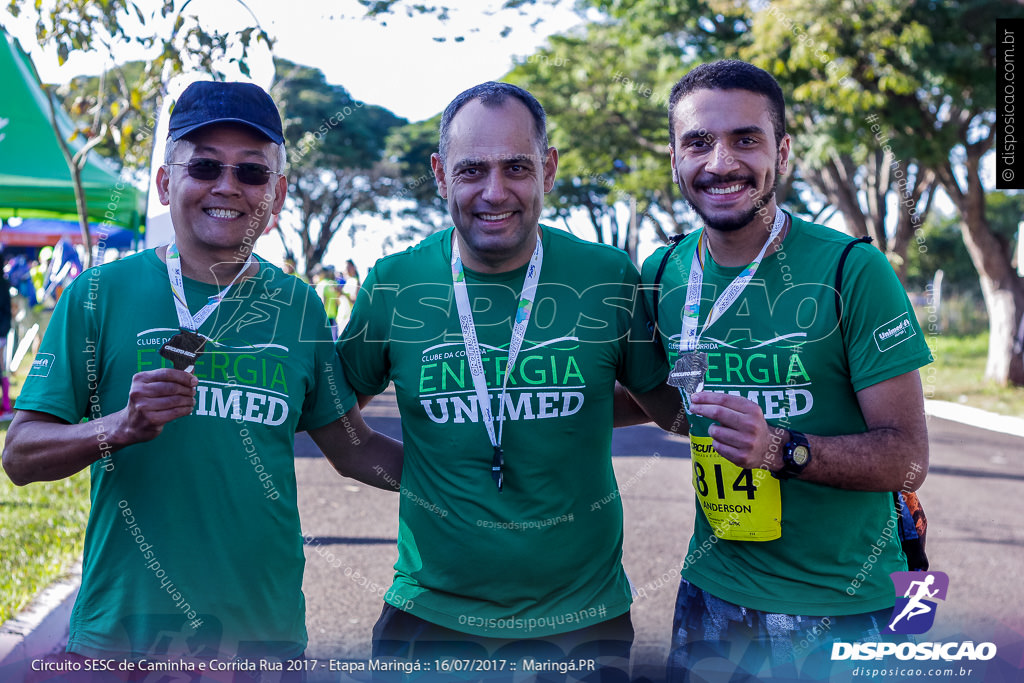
735, 221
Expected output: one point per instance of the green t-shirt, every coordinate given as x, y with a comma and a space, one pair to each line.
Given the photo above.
193, 543
539, 557
780, 345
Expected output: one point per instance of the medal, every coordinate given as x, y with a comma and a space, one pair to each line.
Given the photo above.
688, 375
184, 349
497, 463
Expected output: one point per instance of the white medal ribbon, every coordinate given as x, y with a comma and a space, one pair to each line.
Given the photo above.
186, 320
688, 338
473, 355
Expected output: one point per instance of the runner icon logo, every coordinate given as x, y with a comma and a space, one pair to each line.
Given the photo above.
916, 592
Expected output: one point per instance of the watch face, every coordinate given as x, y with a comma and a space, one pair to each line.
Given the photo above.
801, 455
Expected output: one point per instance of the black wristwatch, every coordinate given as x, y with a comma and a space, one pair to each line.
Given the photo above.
796, 456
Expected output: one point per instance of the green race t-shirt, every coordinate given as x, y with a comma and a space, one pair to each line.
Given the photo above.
193, 542
793, 547
534, 559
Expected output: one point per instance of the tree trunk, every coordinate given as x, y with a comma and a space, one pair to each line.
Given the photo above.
834, 181
631, 230
1001, 287
907, 224
83, 214
76, 181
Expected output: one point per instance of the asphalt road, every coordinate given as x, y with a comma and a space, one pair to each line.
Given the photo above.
973, 498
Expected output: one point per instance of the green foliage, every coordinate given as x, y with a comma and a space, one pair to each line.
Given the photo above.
86, 25
944, 245
96, 101
943, 249
408, 149
606, 91
381, 9
323, 124
336, 158
711, 29
1005, 211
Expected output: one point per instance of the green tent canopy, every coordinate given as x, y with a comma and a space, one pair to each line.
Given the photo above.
34, 177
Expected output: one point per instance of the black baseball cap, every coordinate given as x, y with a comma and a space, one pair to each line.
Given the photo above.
207, 102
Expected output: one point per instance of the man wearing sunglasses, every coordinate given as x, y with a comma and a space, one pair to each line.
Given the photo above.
504, 339
195, 364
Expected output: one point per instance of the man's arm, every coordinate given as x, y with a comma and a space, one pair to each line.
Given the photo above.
626, 411
662, 404
890, 456
356, 451
43, 447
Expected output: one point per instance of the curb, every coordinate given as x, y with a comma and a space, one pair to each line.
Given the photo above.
975, 417
42, 628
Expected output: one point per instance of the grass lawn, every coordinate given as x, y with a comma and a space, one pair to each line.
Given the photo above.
956, 376
42, 528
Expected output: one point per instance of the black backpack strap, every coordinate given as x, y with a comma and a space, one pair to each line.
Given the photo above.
839, 274
675, 240
910, 540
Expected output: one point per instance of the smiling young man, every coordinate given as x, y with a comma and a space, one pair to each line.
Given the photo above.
504, 339
803, 422
195, 365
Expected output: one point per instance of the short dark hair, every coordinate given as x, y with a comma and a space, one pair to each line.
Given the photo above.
731, 74
493, 94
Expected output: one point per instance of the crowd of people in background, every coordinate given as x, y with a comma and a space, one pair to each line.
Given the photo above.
31, 281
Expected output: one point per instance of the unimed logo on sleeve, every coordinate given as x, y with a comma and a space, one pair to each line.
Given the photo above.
41, 365
896, 331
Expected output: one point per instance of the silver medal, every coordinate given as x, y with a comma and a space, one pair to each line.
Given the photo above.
688, 375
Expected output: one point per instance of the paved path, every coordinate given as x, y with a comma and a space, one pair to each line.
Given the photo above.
973, 498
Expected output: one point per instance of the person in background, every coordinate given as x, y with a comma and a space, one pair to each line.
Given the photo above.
348, 289
327, 289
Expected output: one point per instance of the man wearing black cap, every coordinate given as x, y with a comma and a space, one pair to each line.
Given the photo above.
195, 363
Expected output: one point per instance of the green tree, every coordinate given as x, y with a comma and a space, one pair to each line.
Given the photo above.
414, 194
93, 102
605, 92
843, 144
119, 105
336, 162
922, 72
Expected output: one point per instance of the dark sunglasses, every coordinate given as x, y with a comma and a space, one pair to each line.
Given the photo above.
210, 169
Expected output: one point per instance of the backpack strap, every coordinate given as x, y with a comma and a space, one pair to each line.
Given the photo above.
912, 525
675, 240
839, 274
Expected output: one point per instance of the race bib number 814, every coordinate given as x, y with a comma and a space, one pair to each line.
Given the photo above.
740, 504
